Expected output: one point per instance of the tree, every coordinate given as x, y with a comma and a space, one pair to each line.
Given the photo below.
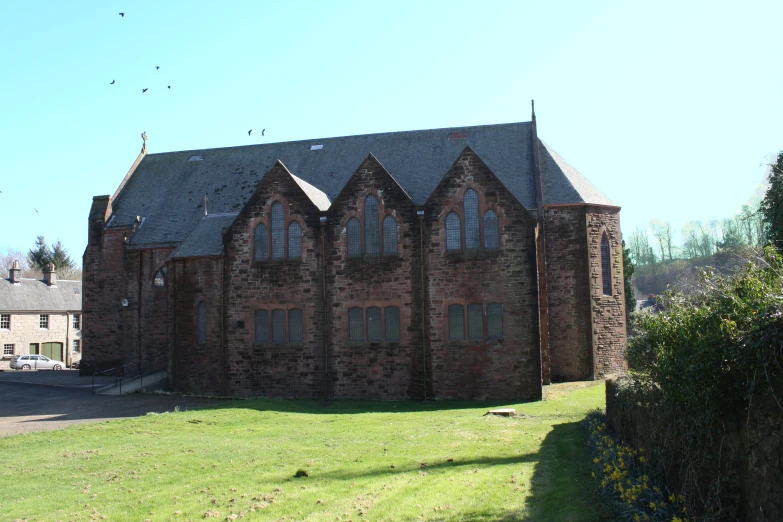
630, 295
39, 256
62, 261
772, 204
640, 249
662, 230
732, 236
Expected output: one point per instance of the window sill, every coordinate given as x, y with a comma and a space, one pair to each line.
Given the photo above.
267, 262
473, 254
272, 344
373, 344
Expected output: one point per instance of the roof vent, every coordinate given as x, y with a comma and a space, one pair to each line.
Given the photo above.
458, 136
195, 158
316, 147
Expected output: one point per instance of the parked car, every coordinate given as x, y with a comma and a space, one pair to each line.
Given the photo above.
35, 362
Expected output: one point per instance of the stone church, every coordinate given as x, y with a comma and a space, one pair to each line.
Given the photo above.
462, 263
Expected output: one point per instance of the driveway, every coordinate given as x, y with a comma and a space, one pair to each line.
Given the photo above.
38, 401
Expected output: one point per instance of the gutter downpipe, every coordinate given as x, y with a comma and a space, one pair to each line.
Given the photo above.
420, 213
138, 308
323, 301
540, 242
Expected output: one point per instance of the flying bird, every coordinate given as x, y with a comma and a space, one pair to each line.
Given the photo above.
36, 210
262, 131
157, 67
169, 86
122, 15
144, 90
112, 82
248, 132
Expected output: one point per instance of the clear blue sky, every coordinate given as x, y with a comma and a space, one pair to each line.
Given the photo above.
669, 107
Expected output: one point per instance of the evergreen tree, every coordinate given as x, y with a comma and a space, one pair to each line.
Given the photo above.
39, 256
628, 270
772, 205
62, 261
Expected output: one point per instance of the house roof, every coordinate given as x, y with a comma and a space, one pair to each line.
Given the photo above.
168, 189
562, 184
206, 239
34, 295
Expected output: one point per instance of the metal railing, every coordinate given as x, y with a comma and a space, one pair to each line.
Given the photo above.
132, 371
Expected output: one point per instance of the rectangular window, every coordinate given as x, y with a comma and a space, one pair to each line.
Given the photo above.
262, 326
475, 321
295, 326
5, 321
77, 321
43, 322
494, 320
278, 326
77, 346
392, 319
355, 324
8, 349
456, 322
373, 324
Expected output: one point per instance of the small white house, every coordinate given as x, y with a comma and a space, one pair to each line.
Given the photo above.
40, 316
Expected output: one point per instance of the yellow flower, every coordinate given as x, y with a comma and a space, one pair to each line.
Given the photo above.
671, 498
642, 459
593, 474
675, 518
653, 506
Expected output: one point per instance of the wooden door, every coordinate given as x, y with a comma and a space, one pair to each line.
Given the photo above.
52, 350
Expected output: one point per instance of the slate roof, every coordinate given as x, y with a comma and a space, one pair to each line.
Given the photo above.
561, 183
33, 295
207, 238
168, 188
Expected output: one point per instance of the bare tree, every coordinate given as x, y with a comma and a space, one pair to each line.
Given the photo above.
7, 260
662, 231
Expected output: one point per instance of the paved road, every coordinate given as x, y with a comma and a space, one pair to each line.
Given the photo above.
38, 401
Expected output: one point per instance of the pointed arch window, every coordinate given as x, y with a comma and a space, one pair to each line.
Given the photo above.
472, 231
371, 229
389, 235
260, 240
295, 326
201, 323
355, 324
491, 231
278, 231
160, 277
294, 241
262, 326
354, 232
453, 232
606, 265
456, 322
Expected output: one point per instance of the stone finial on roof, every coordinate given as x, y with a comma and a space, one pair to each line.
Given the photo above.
144, 146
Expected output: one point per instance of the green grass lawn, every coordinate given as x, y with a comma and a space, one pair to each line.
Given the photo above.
364, 460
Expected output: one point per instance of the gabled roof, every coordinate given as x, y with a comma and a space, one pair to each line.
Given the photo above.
168, 189
206, 239
319, 199
563, 184
34, 295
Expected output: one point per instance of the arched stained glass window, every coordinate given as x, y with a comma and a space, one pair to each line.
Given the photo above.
294, 241
371, 228
453, 233
456, 322
201, 323
354, 232
278, 231
261, 243
472, 234
389, 235
606, 265
262, 326
295, 326
491, 231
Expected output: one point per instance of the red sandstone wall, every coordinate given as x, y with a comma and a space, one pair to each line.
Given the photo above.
568, 285
274, 369
507, 368
374, 370
197, 367
607, 312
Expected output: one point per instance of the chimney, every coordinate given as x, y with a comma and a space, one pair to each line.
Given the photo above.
50, 277
15, 274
